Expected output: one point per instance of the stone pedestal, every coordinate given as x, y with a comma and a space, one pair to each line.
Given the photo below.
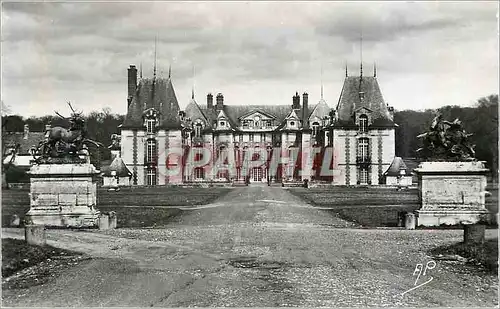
63, 195
451, 193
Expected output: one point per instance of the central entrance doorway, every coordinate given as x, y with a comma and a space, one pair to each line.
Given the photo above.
258, 175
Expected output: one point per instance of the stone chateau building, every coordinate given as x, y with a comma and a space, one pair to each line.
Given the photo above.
356, 139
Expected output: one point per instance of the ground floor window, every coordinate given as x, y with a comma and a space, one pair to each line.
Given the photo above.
199, 173
151, 177
363, 175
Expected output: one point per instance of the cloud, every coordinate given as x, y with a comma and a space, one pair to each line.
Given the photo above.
54, 51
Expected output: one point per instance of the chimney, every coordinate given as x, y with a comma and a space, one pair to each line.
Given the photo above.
296, 101
305, 110
210, 101
220, 101
26, 131
132, 82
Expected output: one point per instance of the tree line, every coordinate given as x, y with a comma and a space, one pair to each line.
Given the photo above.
481, 119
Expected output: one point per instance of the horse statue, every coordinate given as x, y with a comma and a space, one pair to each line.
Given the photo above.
61, 142
446, 141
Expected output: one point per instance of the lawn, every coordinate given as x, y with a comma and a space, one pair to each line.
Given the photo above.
371, 207
143, 199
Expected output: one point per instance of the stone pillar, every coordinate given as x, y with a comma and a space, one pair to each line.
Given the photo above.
103, 221
410, 221
35, 235
474, 234
112, 220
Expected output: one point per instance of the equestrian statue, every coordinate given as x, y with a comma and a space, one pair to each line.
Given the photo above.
446, 141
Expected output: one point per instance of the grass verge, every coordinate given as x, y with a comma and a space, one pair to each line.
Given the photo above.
371, 207
18, 255
143, 200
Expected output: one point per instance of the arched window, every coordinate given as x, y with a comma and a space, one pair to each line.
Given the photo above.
315, 128
363, 123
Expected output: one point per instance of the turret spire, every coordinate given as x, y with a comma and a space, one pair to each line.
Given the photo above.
192, 90
321, 82
154, 67
361, 54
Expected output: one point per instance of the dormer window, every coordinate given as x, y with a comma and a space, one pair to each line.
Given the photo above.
150, 125
361, 95
197, 129
315, 128
292, 123
363, 123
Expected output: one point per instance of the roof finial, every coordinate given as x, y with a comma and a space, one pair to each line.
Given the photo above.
169, 70
346, 70
154, 67
361, 53
140, 70
321, 82
192, 90
374, 69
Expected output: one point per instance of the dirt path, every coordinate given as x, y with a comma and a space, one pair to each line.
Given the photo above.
257, 246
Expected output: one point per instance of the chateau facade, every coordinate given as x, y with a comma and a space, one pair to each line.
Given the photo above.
352, 144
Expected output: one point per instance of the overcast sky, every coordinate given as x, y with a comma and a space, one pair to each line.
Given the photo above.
427, 54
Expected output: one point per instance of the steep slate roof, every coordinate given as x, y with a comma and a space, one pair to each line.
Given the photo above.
118, 166
397, 165
320, 110
350, 100
234, 112
194, 111
155, 93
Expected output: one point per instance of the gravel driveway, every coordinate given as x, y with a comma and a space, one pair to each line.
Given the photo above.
261, 247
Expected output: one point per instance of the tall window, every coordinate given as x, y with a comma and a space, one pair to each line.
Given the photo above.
315, 128
250, 136
363, 123
363, 175
199, 173
150, 125
151, 151
151, 177
363, 148
197, 129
